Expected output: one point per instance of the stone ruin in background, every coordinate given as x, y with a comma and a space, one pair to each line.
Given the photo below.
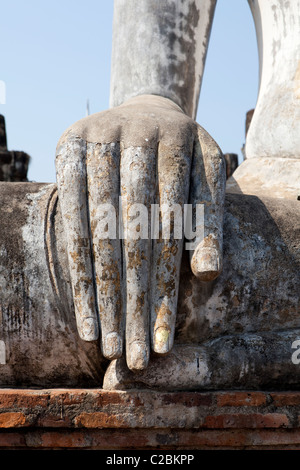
13, 164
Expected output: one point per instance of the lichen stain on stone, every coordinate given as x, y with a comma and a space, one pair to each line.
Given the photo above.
80, 265
104, 245
140, 303
135, 258
83, 283
210, 241
180, 41
167, 253
167, 288
91, 302
162, 312
74, 255
109, 272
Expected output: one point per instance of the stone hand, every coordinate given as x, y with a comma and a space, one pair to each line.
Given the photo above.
145, 153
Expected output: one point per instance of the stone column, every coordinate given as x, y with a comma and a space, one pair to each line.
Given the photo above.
275, 127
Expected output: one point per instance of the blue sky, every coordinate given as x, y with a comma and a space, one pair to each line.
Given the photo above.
56, 55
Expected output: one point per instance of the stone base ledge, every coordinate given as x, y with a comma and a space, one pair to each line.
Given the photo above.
96, 419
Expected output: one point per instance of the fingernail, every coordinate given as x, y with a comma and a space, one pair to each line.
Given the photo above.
206, 264
88, 329
137, 356
161, 343
112, 346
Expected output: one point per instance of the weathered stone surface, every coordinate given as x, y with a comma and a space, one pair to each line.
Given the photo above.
244, 322
270, 177
175, 36
275, 126
146, 142
232, 331
222, 327
42, 347
146, 153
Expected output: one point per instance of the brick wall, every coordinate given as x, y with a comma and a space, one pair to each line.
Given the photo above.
96, 419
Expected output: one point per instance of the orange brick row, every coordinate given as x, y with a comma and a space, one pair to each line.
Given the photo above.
84, 418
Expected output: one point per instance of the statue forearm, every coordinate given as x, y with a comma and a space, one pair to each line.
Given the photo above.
163, 53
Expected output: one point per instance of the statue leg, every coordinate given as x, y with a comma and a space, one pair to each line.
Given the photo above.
39, 342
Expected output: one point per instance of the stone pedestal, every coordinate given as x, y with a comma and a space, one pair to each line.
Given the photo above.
90, 419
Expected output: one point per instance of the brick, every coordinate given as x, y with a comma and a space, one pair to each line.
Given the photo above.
239, 439
71, 440
122, 399
22, 399
124, 439
276, 438
188, 399
54, 421
96, 439
100, 420
63, 397
244, 421
242, 399
285, 398
95, 398
151, 439
12, 439
12, 420
214, 439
